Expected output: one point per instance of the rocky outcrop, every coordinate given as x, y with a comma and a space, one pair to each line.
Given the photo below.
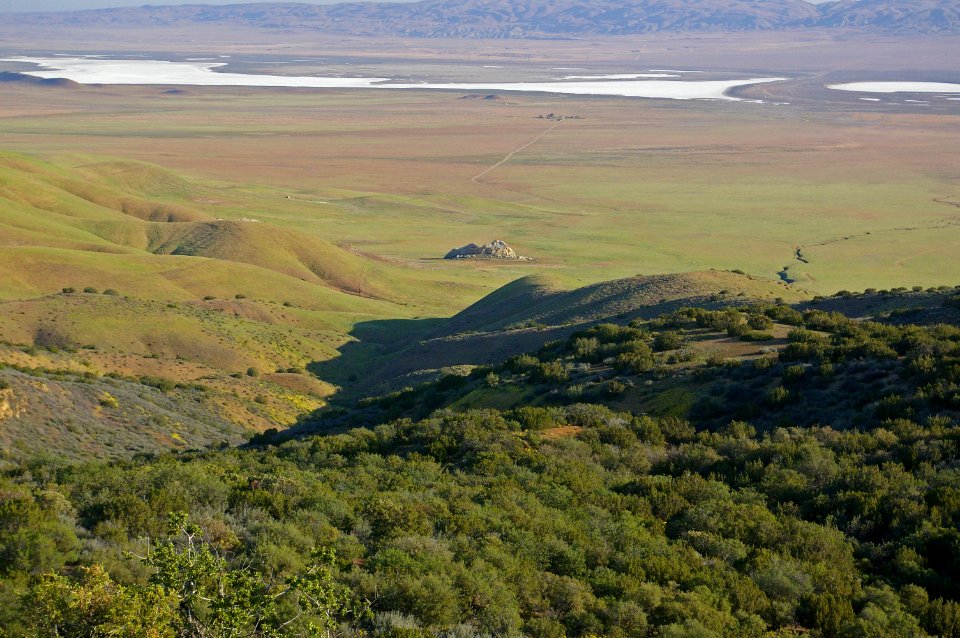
6, 404
494, 250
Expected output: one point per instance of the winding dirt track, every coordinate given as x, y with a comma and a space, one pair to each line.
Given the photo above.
476, 178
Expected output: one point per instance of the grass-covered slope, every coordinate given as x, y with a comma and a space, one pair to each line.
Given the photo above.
118, 268
143, 213
534, 300
531, 311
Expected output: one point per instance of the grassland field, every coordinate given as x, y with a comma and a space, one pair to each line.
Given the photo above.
635, 186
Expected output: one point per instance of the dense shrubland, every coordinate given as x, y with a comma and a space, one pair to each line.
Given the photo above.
812, 490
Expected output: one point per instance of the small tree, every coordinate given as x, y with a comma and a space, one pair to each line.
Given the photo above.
194, 592
668, 340
217, 599
95, 605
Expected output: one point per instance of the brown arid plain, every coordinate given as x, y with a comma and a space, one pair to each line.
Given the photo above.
804, 189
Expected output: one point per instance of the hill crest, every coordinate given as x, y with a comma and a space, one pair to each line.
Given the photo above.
518, 19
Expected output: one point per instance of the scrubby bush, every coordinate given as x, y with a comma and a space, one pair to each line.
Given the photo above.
633, 362
522, 363
813, 492
756, 335
160, 383
759, 322
667, 340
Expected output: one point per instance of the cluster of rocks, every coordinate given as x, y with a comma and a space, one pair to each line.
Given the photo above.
494, 250
558, 118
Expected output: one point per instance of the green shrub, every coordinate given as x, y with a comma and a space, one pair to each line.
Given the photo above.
586, 349
764, 363
535, 418
633, 362
778, 395
794, 373
522, 363
756, 335
667, 340
759, 322
160, 383
552, 372
738, 330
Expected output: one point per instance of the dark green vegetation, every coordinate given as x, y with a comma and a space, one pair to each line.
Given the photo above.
761, 471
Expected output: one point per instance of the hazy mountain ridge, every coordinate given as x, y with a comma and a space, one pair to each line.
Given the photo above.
536, 18
934, 15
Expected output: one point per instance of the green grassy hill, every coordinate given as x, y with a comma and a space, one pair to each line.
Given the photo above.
527, 313
536, 300
116, 268
708, 364
140, 213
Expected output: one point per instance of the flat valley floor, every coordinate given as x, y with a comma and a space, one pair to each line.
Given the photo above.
814, 186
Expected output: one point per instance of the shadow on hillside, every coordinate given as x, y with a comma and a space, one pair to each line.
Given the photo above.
388, 354
373, 341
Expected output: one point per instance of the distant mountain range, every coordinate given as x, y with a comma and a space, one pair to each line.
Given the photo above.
536, 18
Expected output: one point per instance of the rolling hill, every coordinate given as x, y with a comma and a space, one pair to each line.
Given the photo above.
134, 320
524, 315
535, 18
139, 212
